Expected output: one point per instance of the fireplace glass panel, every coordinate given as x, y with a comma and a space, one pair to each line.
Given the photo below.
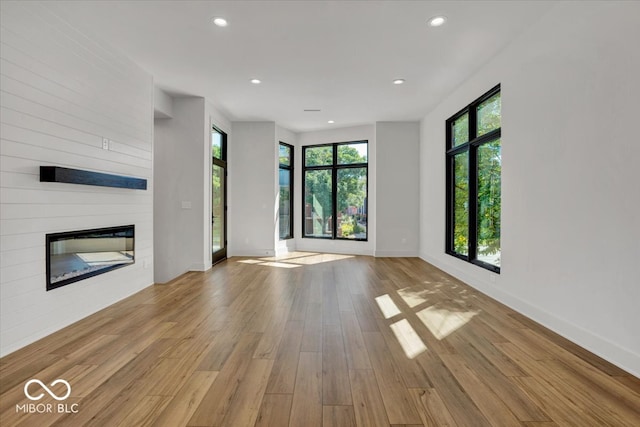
76, 255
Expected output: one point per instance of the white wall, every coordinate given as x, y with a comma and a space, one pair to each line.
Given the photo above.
570, 195
162, 104
180, 200
398, 194
62, 92
252, 209
183, 174
217, 119
355, 133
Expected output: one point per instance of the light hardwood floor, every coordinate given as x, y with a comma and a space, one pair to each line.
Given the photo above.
315, 340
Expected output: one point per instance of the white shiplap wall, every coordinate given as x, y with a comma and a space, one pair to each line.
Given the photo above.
61, 93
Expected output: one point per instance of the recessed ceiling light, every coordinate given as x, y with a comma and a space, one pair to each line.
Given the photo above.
331, 122
398, 81
436, 21
220, 22
255, 81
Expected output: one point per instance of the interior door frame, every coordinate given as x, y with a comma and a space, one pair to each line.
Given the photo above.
220, 254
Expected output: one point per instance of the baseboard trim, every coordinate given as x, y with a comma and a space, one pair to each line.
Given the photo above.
257, 253
396, 254
199, 266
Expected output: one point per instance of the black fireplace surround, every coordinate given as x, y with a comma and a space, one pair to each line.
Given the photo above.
77, 255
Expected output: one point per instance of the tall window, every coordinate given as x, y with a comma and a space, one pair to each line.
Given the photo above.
285, 173
474, 165
218, 195
335, 191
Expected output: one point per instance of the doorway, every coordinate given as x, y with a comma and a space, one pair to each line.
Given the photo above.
218, 195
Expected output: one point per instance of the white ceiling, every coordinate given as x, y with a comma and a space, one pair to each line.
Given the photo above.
337, 56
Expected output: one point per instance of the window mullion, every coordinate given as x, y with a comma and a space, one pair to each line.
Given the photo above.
459, 149
473, 182
450, 204
473, 201
487, 137
334, 193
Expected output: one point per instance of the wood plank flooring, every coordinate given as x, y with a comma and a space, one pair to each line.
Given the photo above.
314, 340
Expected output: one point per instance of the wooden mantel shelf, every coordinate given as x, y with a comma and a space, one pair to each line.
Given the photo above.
78, 176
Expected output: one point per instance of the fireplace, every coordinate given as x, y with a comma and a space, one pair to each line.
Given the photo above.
77, 255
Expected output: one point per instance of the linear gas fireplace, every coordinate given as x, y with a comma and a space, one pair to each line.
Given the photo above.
76, 255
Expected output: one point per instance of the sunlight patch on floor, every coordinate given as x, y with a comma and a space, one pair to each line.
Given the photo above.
442, 322
414, 296
319, 258
408, 338
387, 306
280, 264
295, 259
289, 256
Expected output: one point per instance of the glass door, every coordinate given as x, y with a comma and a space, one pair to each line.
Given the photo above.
218, 195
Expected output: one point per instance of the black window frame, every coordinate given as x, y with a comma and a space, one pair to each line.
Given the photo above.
334, 167
221, 161
470, 147
288, 168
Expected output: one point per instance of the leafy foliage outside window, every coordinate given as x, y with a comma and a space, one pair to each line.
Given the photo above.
318, 156
318, 202
461, 203
488, 217
352, 194
461, 130
216, 145
216, 153
352, 153
336, 192
284, 154
489, 115
285, 178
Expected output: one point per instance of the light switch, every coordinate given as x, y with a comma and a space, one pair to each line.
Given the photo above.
186, 205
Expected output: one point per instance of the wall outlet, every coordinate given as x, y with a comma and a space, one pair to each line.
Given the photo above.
186, 205
492, 278
105, 143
